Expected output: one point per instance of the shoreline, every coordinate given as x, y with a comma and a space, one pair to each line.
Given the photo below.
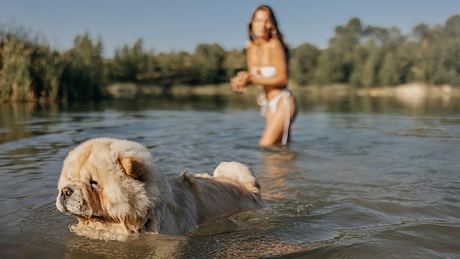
410, 90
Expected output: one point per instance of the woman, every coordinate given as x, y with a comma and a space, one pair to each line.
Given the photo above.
267, 57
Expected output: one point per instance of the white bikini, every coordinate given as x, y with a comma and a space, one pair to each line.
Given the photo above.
270, 106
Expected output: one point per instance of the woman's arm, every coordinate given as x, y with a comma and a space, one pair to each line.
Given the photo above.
240, 81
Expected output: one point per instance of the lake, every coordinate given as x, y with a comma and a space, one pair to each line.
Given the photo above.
363, 176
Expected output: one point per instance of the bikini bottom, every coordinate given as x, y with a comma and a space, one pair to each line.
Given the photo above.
270, 106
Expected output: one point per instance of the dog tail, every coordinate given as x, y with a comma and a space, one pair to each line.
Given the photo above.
240, 173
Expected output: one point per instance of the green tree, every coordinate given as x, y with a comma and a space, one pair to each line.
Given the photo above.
335, 64
437, 59
82, 75
234, 61
397, 66
129, 62
371, 67
209, 59
176, 68
16, 80
303, 63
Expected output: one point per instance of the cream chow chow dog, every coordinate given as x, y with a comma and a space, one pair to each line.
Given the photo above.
116, 191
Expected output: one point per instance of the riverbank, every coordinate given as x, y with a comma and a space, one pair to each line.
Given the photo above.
412, 90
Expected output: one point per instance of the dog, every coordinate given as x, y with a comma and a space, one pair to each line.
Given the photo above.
116, 191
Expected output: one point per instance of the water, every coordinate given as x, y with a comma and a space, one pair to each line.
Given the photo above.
363, 177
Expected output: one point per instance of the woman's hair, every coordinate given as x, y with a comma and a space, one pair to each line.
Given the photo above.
274, 32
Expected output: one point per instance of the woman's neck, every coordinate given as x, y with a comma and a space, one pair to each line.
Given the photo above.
260, 40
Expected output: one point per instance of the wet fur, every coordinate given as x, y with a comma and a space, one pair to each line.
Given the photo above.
119, 192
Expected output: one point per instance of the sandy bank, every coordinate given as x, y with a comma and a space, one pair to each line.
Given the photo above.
406, 91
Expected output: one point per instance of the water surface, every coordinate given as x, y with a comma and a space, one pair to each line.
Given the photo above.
363, 177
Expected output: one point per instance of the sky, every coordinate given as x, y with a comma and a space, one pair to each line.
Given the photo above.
173, 25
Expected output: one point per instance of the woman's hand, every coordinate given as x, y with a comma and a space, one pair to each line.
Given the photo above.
240, 82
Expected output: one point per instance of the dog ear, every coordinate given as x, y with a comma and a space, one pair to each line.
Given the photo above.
132, 167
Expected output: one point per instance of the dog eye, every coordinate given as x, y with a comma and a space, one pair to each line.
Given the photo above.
92, 182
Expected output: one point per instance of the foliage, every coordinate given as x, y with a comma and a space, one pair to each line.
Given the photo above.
373, 56
234, 61
129, 62
28, 71
208, 61
82, 75
303, 62
357, 54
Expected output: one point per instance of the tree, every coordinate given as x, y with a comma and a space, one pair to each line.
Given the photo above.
234, 61
303, 63
371, 67
209, 60
82, 75
16, 81
130, 62
335, 64
28, 71
452, 27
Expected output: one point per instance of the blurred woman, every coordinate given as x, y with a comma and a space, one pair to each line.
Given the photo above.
267, 59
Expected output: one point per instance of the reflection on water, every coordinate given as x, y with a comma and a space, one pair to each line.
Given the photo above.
363, 177
277, 164
62, 243
30, 119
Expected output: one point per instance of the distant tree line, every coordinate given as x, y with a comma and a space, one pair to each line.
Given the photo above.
375, 56
32, 71
362, 56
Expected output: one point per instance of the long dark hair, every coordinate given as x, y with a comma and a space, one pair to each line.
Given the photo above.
273, 33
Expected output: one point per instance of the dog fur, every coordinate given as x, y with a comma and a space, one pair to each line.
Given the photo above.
116, 191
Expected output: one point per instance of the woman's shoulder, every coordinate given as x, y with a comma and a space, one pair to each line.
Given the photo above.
249, 44
274, 43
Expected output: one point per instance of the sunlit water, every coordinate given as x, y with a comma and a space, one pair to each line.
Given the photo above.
362, 178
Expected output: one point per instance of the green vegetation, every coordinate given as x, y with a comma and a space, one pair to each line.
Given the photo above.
32, 71
358, 55
82, 70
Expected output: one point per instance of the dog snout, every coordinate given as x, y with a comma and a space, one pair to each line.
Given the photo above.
66, 192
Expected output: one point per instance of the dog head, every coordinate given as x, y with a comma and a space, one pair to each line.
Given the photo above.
110, 181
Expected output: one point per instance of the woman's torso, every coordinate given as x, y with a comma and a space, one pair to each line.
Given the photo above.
261, 65
263, 71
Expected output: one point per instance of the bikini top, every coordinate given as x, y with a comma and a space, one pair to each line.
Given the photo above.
263, 71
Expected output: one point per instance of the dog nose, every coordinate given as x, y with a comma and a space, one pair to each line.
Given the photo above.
66, 192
